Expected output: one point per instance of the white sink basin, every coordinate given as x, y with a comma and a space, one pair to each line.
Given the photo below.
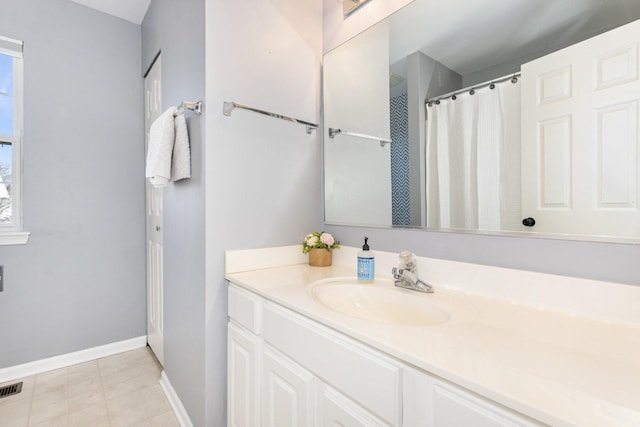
379, 301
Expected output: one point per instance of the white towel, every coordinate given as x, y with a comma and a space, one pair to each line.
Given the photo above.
168, 154
181, 161
160, 149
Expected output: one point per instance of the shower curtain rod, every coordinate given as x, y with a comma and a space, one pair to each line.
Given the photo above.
472, 89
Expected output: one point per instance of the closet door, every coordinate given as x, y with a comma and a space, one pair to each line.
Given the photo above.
154, 219
580, 139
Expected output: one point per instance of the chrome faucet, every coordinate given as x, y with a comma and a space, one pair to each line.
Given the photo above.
406, 276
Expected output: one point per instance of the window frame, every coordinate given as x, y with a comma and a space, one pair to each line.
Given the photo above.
13, 233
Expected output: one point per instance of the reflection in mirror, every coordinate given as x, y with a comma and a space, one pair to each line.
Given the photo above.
350, 6
472, 162
530, 157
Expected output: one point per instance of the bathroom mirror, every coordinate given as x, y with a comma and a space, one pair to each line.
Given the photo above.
375, 87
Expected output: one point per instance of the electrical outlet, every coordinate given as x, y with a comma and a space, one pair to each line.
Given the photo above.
1, 278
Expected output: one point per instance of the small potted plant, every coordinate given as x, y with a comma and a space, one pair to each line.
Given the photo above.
319, 245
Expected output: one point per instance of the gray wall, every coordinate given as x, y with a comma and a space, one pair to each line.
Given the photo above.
263, 174
262, 182
599, 261
80, 280
177, 30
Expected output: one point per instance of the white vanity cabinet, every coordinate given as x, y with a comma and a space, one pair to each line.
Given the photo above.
369, 378
285, 369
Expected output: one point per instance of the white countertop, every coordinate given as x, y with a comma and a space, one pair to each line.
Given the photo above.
559, 368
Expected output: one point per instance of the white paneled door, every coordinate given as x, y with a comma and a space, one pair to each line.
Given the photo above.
580, 137
153, 109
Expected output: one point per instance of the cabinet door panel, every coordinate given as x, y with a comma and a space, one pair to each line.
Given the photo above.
417, 398
457, 408
287, 393
338, 411
243, 386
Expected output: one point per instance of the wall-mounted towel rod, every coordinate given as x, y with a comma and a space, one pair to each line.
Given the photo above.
196, 107
228, 107
333, 132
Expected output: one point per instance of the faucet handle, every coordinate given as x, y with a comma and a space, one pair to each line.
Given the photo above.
396, 272
408, 261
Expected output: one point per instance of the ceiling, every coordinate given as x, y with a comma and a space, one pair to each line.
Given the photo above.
130, 10
471, 35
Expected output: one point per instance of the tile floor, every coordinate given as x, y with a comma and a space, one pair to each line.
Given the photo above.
116, 391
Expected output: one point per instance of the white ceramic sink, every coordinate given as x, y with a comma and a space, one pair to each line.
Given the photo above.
379, 301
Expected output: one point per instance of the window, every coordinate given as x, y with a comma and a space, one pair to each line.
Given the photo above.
11, 97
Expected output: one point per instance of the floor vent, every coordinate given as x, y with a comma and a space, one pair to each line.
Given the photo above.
10, 390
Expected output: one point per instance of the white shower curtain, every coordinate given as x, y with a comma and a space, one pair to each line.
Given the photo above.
473, 160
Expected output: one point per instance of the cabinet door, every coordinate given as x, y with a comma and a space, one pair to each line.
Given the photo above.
337, 410
417, 398
287, 392
457, 408
243, 385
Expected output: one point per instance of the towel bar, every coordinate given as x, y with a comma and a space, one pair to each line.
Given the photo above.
333, 132
228, 107
196, 107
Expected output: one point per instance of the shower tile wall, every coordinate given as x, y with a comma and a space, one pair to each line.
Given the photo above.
400, 160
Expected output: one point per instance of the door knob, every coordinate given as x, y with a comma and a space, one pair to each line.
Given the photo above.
528, 222
157, 228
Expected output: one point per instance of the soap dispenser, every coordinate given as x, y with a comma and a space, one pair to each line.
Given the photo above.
366, 264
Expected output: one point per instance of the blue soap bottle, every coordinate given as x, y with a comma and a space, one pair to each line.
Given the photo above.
366, 264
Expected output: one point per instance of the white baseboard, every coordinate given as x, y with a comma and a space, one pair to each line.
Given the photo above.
36, 367
175, 402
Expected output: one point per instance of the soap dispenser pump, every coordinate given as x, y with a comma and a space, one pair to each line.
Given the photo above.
366, 263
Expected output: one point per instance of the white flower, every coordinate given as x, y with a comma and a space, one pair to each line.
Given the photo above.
327, 239
312, 240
